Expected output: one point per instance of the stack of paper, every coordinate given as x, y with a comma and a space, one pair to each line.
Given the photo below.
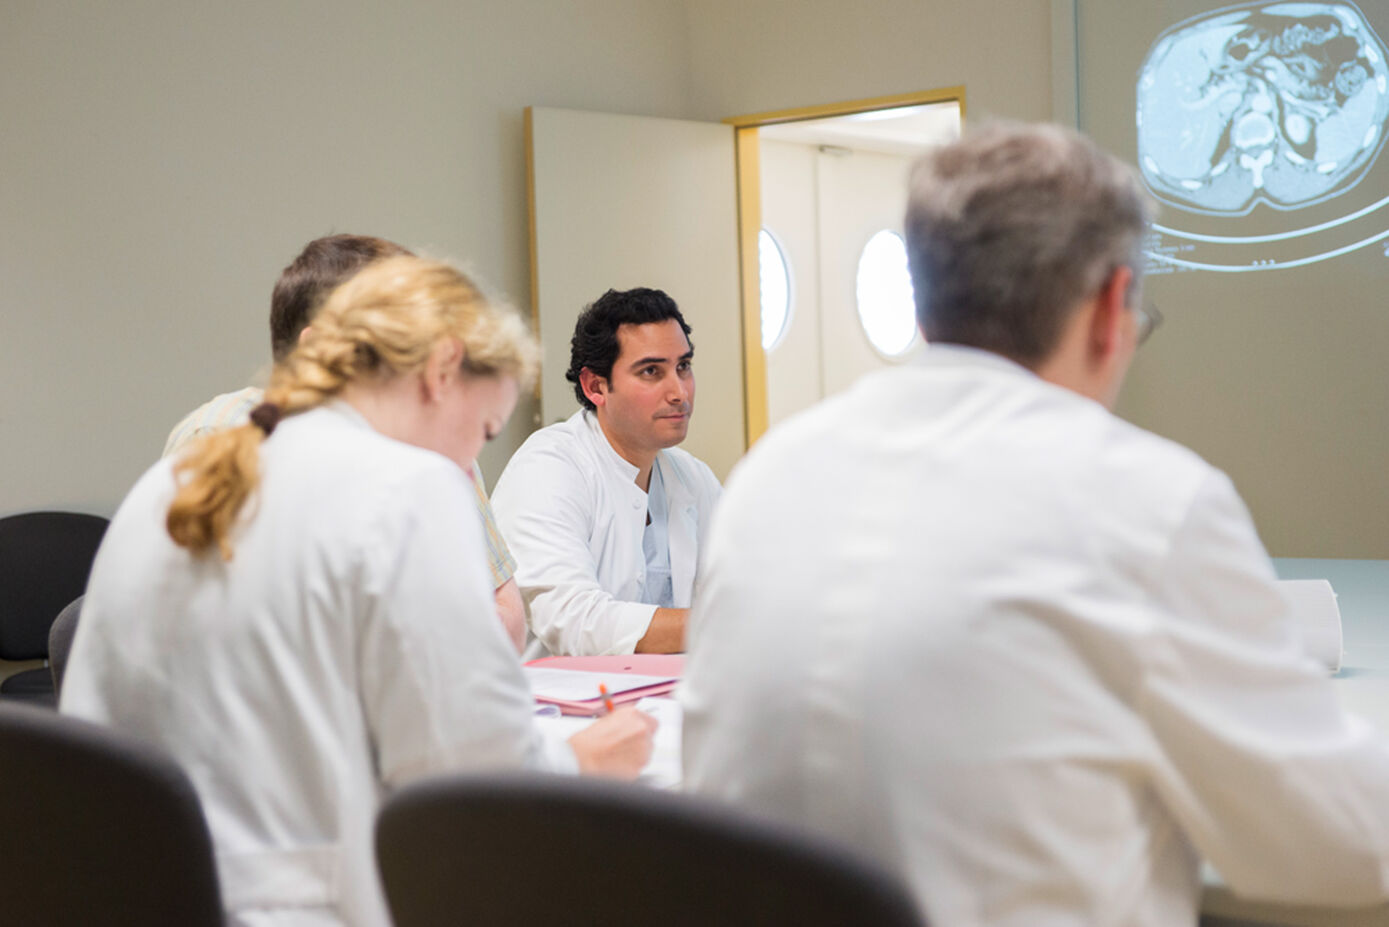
576, 691
1313, 609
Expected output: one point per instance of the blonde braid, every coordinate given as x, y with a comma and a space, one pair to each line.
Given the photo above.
317, 370
215, 477
219, 473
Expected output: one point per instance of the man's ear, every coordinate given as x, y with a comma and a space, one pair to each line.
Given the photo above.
594, 386
442, 366
1111, 311
304, 334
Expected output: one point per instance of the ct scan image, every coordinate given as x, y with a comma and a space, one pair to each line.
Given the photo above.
1262, 111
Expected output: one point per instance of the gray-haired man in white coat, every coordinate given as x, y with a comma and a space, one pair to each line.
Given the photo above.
1026, 654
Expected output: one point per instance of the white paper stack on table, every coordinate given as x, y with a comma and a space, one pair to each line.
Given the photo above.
1314, 612
576, 692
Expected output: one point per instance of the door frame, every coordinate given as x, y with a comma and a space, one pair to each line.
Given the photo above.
749, 192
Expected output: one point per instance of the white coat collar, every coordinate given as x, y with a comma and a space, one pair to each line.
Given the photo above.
682, 510
619, 463
958, 355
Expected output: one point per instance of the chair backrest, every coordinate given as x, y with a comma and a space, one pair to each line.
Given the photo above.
60, 641
526, 850
98, 829
45, 558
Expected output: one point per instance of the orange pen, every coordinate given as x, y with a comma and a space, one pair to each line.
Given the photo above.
607, 699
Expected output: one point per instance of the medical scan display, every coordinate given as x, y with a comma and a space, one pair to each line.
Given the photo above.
1260, 128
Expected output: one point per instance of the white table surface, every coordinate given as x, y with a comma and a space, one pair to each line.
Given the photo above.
1362, 592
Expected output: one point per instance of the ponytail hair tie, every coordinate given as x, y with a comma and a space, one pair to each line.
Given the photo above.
266, 416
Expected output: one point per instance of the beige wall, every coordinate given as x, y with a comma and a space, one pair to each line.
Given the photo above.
159, 165
1277, 376
161, 161
1282, 385
755, 55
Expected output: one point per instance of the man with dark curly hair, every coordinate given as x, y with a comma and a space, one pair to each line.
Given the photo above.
604, 512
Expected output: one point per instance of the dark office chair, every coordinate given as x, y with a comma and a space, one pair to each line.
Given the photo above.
529, 850
45, 558
98, 829
60, 637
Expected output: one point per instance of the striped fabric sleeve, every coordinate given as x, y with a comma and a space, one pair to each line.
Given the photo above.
499, 558
220, 412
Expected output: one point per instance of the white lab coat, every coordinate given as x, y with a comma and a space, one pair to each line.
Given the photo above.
1025, 654
570, 510
351, 644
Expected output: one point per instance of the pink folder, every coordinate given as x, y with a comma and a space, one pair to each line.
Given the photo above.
670, 665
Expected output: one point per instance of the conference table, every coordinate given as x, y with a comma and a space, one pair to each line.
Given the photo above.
1362, 592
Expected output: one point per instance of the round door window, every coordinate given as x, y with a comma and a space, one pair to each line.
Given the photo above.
886, 309
775, 280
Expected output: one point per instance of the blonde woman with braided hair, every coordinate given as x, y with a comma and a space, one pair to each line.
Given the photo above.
298, 608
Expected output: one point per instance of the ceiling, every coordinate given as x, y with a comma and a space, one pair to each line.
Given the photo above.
904, 130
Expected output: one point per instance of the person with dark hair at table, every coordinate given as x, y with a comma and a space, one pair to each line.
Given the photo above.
604, 512
316, 271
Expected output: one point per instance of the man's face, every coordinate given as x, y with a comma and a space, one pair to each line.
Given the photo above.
647, 402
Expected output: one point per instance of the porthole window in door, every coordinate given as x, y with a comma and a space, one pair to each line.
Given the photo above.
886, 309
775, 279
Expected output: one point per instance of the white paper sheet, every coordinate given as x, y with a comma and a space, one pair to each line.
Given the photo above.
579, 685
1313, 609
662, 771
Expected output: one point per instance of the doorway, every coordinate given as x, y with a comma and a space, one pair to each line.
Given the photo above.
621, 201
826, 294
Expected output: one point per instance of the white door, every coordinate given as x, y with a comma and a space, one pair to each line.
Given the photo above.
626, 201
795, 369
834, 191
862, 195
822, 205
